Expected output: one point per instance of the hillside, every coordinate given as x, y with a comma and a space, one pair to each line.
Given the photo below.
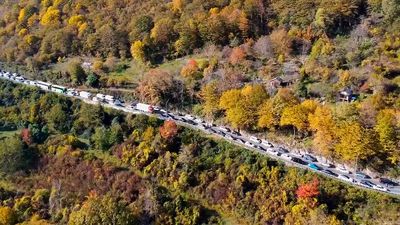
318, 75
74, 163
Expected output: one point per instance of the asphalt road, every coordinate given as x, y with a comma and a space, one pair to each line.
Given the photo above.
264, 147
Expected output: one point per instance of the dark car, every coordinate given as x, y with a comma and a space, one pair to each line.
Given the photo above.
309, 157
298, 160
282, 150
360, 175
236, 133
330, 173
387, 182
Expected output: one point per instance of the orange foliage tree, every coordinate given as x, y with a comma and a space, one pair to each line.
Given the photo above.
169, 130
309, 190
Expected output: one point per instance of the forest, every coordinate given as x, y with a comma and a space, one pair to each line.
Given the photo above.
320, 75
68, 162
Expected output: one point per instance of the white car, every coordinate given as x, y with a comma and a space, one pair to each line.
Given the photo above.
249, 144
380, 188
229, 137
224, 129
327, 164
286, 156
255, 139
343, 169
346, 178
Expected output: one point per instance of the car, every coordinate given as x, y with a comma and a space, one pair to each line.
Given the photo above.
387, 182
343, 169
313, 166
237, 133
327, 164
346, 178
298, 160
282, 150
190, 117
261, 148
329, 172
225, 129
255, 139
361, 175
249, 144
365, 183
241, 141
229, 137
286, 156
380, 188
310, 158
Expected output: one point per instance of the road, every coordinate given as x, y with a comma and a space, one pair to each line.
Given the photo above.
288, 157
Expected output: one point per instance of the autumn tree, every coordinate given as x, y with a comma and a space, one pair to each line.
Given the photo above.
210, 96
240, 105
388, 133
50, 17
355, 143
158, 86
309, 190
102, 210
138, 51
324, 126
296, 116
270, 111
237, 56
163, 31
7, 216
281, 42
169, 130
191, 70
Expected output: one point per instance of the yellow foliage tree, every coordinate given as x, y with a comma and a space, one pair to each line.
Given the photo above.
137, 51
210, 96
7, 216
322, 123
50, 17
240, 105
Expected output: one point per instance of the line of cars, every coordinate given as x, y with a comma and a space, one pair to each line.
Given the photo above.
253, 142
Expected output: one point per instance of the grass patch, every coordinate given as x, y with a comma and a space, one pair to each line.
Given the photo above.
7, 134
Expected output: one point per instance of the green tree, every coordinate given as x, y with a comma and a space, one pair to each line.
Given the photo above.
13, 155
77, 73
57, 119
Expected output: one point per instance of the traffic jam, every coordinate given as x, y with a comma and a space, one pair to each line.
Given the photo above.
299, 159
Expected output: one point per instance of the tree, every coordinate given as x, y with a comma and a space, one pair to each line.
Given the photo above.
169, 130
237, 56
281, 42
322, 123
158, 86
57, 119
13, 156
270, 111
240, 105
191, 70
137, 51
163, 31
388, 133
92, 80
76, 72
309, 190
50, 17
210, 96
296, 116
102, 210
391, 9
7, 216
356, 144
101, 139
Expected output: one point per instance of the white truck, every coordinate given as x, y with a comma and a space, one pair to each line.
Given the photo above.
85, 94
109, 98
144, 107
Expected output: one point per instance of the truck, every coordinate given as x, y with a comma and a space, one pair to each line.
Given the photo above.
100, 96
59, 89
85, 94
43, 85
109, 98
144, 107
